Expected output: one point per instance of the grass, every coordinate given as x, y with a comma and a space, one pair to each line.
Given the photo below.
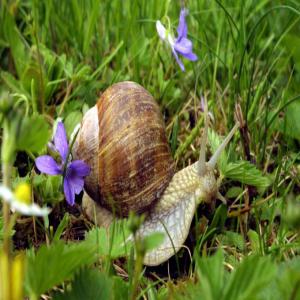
57, 57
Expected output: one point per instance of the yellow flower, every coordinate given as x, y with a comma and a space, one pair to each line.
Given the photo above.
20, 201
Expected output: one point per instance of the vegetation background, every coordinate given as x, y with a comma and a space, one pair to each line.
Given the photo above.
57, 57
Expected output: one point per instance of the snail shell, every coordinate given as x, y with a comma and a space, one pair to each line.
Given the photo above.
123, 140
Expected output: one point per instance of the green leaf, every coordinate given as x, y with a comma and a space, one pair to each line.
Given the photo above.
288, 279
189, 139
219, 218
291, 216
61, 227
234, 192
49, 188
12, 83
215, 141
249, 278
112, 242
232, 238
162, 293
153, 240
17, 46
72, 120
33, 135
245, 172
292, 43
32, 73
53, 265
108, 59
120, 288
254, 241
89, 284
211, 272
286, 284
291, 124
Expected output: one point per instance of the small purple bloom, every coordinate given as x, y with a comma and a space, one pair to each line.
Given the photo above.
73, 172
181, 45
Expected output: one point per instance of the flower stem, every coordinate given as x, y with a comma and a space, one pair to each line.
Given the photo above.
6, 171
7, 158
6, 210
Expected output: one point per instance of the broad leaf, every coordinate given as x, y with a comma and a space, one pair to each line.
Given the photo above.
33, 134
211, 275
120, 288
17, 46
291, 125
231, 238
111, 242
89, 284
153, 240
53, 265
234, 192
72, 120
245, 172
254, 241
288, 279
49, 188
249, 278
215, 141
12, 83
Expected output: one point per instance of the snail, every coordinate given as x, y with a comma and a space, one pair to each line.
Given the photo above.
123, 140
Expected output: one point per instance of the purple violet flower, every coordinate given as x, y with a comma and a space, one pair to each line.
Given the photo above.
181, 45
73, 172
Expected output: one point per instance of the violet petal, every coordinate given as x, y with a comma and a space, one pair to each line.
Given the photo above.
77, 184
190, 56
184, 46
178, 60
161, 30
46, 164
75, 172
182, 27
79, 168
69, 191
60, 141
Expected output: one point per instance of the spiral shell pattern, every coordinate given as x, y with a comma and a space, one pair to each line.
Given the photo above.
131, 159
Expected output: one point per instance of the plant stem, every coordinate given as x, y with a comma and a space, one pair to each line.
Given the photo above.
6, 171
33, 297
137, 269
66, 98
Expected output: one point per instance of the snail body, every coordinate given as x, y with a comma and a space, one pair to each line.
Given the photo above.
123, 140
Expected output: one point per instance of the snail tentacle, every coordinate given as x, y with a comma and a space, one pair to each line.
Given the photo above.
213, 160
202, 156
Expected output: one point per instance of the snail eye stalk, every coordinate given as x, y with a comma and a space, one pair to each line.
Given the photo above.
213, 160
202, 157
